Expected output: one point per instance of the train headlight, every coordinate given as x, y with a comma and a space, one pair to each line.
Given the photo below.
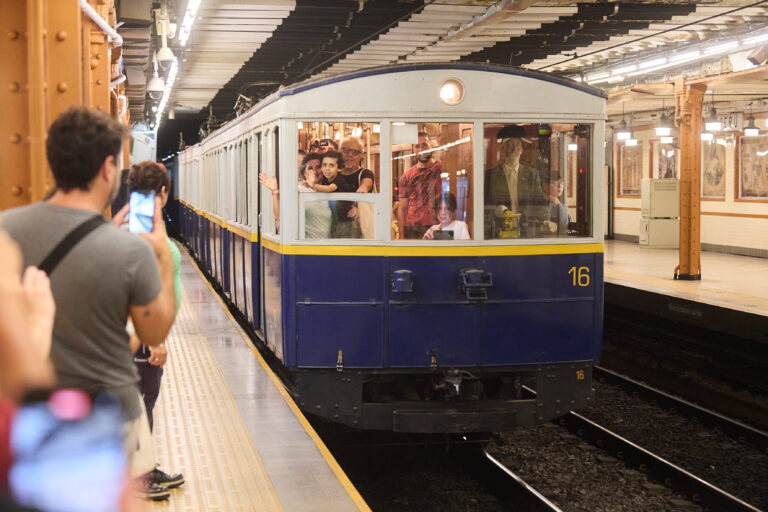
452, 91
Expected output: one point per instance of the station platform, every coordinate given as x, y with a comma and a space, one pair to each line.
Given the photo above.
731, 297
225, 421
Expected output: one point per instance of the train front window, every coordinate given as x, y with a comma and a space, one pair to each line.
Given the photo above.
338, 157
431, 181
537, 181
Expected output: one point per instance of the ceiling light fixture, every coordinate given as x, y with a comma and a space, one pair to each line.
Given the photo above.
711, 123
751, 130
189, 19
665, 126
623, 133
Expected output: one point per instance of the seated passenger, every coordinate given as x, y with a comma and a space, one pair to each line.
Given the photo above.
419, 188
449, 228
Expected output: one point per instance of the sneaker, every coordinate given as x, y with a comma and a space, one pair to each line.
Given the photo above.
163, 479
148, 490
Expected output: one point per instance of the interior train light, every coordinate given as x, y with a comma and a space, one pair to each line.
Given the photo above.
357, 132
377, 128
299, 125
451, 92
667, 140
631, 142
712, 124
573, 147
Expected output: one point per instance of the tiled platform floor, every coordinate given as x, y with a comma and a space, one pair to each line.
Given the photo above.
223, 420
734, 282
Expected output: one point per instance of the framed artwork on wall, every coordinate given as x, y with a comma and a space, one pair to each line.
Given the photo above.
630, 170
753, 168
664, 160
712, 170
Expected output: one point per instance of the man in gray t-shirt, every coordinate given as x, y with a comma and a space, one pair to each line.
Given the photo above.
109, 275
104, 274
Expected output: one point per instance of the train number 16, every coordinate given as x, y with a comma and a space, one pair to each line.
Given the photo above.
580, 276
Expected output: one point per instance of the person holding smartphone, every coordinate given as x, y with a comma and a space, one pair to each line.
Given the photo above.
148, 180
108, 276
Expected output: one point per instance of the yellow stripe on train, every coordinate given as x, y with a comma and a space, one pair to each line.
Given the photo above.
407, 250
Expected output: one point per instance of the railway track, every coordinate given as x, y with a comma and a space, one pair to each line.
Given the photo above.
729, 426
693, 488
509, 489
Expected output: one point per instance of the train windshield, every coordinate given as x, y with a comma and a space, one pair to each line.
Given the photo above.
432, 181
537, 180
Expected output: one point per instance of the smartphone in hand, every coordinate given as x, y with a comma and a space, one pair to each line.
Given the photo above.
142, 211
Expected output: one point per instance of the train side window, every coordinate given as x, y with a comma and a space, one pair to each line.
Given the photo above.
432, 166
353, 171
537, 181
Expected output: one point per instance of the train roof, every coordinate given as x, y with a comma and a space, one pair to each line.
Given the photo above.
468, 66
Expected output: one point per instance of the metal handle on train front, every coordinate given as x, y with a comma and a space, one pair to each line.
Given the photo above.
474, 283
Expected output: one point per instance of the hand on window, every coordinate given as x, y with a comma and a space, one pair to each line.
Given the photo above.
268, 181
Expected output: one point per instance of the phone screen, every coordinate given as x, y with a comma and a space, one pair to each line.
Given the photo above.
141, 212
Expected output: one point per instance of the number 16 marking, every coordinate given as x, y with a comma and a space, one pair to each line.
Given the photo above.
580, 276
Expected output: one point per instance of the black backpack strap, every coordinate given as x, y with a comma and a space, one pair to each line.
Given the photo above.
73, 237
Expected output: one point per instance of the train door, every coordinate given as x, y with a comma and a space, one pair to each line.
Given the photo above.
271, 271
252, 260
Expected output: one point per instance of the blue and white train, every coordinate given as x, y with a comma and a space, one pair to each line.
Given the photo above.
413, 335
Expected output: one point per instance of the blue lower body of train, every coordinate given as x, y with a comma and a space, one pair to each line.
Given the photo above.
416, 343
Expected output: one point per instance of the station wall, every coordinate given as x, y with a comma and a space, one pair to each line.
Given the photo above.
728, 224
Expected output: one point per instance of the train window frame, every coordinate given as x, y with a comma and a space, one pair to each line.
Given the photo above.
592, 206
472, 227
295, 201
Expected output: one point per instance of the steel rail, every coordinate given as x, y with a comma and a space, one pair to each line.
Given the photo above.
511, 490
696, 489
728, 426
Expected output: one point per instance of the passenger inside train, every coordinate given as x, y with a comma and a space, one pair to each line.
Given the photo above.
521, 199
448, 227
419, 188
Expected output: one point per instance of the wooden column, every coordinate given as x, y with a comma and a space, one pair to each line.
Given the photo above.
689, 100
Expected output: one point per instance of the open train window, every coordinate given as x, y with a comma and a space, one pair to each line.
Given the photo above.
432, 168
338, 177
537, 180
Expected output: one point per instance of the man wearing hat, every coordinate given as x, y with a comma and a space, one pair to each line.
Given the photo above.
511, 185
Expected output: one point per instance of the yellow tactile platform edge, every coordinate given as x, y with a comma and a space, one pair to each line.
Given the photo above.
199, 431
354, 495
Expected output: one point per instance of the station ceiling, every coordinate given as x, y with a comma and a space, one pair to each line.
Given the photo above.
251, 48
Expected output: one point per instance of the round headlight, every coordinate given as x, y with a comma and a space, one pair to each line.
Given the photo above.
452, 91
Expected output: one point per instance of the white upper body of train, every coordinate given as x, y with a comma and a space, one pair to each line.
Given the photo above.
460, 109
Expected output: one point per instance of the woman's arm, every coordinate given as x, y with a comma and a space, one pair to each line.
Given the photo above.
271, 183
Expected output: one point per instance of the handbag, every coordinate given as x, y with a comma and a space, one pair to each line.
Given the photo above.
366, 211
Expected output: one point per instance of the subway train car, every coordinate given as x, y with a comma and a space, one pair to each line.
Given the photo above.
455, 284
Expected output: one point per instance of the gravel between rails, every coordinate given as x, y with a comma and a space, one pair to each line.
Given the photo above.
738, 468
578, 477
